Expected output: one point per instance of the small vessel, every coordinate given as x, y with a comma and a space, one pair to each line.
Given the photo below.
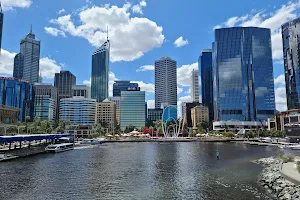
55, 148
295, 147
90, 141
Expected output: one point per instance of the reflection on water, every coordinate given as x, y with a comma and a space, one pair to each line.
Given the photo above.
138, 171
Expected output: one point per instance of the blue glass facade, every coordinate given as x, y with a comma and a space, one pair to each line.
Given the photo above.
132, 109
170, 113
122, 86
100, 73
205, 65
18, 66
243, 74
18, 94
1, 25
291, 56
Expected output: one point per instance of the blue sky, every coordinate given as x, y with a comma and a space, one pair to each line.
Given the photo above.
140, 33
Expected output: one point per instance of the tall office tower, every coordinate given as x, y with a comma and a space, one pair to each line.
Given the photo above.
122, 86
81, 91
291, 55
63, 81
18, 66
132, 107
100, 72
30, 49
165, 82
195, 86
1, 26
45, 97
243, 74
205, 69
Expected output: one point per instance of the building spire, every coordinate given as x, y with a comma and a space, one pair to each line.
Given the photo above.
107, 33
30, 28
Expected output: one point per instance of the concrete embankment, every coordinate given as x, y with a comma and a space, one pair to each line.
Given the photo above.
168, 140
273, 181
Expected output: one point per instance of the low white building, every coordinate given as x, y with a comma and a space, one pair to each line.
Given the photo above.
239, 125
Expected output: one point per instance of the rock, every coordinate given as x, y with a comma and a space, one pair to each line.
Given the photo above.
287, 196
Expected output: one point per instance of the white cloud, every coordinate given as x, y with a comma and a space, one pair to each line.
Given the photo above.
179, 90
180, 42
61, 11
150, 104
272, 20
280, 99
145, 68
130, 37
48, 66
147, 87
280, 80
87, 82
138, 8
6, 62
11, 4
187, 98
279, 62
54, 31
184, 74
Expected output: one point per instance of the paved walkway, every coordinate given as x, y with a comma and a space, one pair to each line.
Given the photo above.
290, 169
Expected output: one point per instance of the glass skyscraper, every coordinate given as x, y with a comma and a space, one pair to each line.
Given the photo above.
132, 107
291, 56
45, 97
18, 66
1, 26
17, 94
243, 74
205, 69
30, 49
100, 73
123, 86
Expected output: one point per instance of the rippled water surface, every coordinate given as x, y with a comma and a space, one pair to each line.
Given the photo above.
138, 171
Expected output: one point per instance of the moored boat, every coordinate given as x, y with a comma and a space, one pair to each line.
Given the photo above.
90, 141
56, 148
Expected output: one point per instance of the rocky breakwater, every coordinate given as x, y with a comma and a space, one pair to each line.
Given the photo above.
274, 183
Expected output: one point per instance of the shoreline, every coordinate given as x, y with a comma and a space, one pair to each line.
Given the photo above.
274, 182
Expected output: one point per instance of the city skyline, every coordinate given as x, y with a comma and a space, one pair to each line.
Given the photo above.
186, 63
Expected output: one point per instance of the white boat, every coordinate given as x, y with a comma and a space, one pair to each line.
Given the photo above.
90, 141
296, 147
55, 148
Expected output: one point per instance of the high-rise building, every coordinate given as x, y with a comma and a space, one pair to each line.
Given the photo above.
18, 66
205, 70
195, 86
63, 81
106, 114
78, 110
45, 97
132, 107
100, 72
188, 108
165, 82
117, 100
199, 114
16, 93
155, 114
30, 49
243, 74
291, 56
123, 86
81, 91
1, 26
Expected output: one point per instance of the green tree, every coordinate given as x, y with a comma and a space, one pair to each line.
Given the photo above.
129, 129
99, 129
149, 123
